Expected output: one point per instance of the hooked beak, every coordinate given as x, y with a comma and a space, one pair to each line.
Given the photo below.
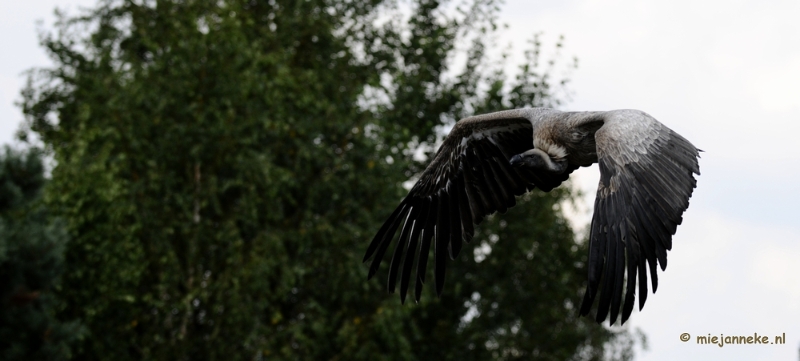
516, 160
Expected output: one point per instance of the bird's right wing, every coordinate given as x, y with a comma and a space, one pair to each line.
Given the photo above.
469, 178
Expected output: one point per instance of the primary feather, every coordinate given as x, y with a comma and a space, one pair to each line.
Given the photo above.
646, 178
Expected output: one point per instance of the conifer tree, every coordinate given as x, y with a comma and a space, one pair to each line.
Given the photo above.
31, 263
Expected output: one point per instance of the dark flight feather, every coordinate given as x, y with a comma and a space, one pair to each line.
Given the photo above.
646, 179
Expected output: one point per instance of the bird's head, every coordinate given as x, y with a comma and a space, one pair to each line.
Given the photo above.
536, 159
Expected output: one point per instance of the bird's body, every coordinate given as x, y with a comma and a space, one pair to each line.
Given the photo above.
645, 184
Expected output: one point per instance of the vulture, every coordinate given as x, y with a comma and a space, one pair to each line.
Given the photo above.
646, 178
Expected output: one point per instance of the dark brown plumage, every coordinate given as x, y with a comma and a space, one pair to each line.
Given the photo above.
646, 179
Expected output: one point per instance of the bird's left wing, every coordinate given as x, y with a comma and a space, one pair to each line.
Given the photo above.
646, 179
469, 178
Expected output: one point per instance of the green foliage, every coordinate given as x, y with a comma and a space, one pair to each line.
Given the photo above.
221, 167
31, 262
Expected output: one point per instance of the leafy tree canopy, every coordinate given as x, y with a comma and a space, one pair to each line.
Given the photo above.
221, 167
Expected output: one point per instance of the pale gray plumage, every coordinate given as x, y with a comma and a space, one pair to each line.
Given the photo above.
646, 179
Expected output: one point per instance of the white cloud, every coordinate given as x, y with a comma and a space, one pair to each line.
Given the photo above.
777, 86
776, 266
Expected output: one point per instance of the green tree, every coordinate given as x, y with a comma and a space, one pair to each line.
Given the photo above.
31, 262
222, 165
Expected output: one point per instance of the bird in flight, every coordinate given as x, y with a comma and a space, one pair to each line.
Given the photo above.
646, 178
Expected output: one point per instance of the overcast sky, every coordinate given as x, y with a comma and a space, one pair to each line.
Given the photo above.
724, 74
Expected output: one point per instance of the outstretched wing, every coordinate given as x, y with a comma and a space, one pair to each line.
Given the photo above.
646, 179
469, 178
